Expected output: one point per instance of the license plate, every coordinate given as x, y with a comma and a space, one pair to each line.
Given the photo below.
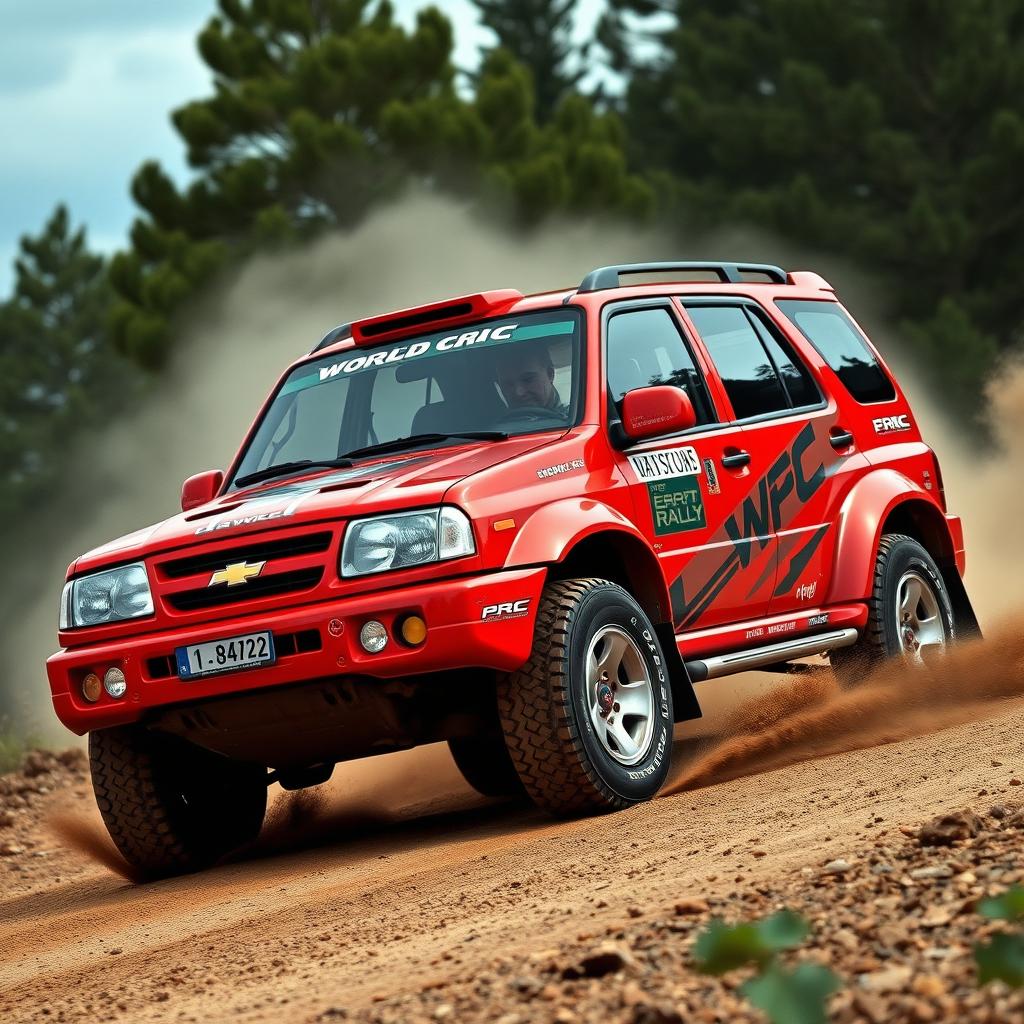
228, 655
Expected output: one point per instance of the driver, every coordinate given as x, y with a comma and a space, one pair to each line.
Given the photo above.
526, 377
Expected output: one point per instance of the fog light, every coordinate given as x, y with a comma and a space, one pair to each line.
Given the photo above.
414, 630
92, 687
373, 636
114, 682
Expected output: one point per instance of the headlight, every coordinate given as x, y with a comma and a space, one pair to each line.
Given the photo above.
110, 596
405, 539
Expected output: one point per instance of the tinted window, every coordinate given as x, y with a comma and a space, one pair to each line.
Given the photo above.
795, 376
750, 379
645, 349
833, 334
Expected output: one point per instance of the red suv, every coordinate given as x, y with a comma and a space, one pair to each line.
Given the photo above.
522, 525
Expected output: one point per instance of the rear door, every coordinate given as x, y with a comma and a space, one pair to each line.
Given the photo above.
786, 428
682, 486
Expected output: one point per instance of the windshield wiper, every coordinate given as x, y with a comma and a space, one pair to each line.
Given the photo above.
290, 467
416, 439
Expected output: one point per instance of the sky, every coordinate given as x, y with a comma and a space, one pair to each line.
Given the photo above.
86, 89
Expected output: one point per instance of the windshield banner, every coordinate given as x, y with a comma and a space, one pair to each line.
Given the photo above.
353, 361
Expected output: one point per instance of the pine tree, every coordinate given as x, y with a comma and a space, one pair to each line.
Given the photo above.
321, 109
538, 33
58, 373
892, 133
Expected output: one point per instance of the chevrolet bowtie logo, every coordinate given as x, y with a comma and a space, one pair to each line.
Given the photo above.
239, 572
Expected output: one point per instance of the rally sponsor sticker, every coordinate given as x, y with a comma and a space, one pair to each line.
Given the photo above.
666, 463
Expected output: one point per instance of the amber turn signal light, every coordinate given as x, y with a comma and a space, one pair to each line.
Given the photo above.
92, 687
414, 630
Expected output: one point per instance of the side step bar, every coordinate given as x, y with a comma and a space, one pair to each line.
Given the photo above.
758, 657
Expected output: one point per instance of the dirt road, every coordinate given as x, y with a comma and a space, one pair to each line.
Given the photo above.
400, 880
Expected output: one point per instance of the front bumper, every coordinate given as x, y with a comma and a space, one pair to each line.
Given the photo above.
315, 642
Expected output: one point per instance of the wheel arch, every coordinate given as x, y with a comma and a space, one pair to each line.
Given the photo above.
887, 502
579, 539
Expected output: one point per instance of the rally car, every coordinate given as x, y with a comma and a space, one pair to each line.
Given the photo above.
521, 525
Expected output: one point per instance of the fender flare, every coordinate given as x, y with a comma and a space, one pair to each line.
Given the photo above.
554, 530
862, 518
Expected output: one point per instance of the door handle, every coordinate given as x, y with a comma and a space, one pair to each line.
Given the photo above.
840, 438
736, 459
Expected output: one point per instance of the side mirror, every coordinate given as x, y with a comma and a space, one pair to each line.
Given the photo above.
201, 488
647, 412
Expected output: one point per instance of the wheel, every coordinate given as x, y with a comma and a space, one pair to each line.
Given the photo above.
910, 614
485, 765
588, 719
171, 807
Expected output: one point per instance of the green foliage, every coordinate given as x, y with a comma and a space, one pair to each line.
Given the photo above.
792, 997
891, 133
538, 34
1007, 907
786, 996
320, 111
57, 370
723, 947
1002, 957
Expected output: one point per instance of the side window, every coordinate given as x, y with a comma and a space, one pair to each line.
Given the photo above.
796, 378
645, 349
750, 379
309, 428
832, 333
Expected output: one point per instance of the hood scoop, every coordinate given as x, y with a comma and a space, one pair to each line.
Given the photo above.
215, 511
344, 485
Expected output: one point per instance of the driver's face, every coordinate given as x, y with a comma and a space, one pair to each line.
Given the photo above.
527, 383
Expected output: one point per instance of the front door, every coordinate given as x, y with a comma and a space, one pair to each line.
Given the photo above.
686, 487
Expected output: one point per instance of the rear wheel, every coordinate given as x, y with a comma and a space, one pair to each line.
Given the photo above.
910, 615
485, 765
171, 807
588, 719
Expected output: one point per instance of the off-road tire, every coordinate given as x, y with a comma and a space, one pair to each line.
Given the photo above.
548, 730
485, 765
880, 641
169, 806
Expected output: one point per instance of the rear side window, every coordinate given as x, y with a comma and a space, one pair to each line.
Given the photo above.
646, 349
833, 334
750, 379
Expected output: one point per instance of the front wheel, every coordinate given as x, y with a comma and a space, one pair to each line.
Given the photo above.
588, 719
910, 615
169, 806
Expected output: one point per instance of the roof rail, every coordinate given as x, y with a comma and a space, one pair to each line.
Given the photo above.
729, 273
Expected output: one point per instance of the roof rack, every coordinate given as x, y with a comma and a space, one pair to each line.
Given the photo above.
728, 273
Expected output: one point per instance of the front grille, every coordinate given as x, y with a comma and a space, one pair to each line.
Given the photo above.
285, 645
192, 565
262, 586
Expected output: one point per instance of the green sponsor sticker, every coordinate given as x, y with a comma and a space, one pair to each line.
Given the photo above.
677, 505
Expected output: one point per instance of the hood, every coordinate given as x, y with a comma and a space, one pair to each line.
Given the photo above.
406, 480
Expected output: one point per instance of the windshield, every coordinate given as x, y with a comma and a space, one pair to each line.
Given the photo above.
511, 375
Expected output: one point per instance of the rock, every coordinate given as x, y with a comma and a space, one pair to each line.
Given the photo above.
445, 1010
836, 867
9, 849
935, 917
563, 1015
688, 907
634, 912
872, 1007
891, 979
6, 819
606, 959
998, 811
932, 871
1014, 782
948, 828
931, 986
647, 1014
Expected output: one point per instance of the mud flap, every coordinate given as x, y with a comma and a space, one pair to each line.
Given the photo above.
967, 627
684, 698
